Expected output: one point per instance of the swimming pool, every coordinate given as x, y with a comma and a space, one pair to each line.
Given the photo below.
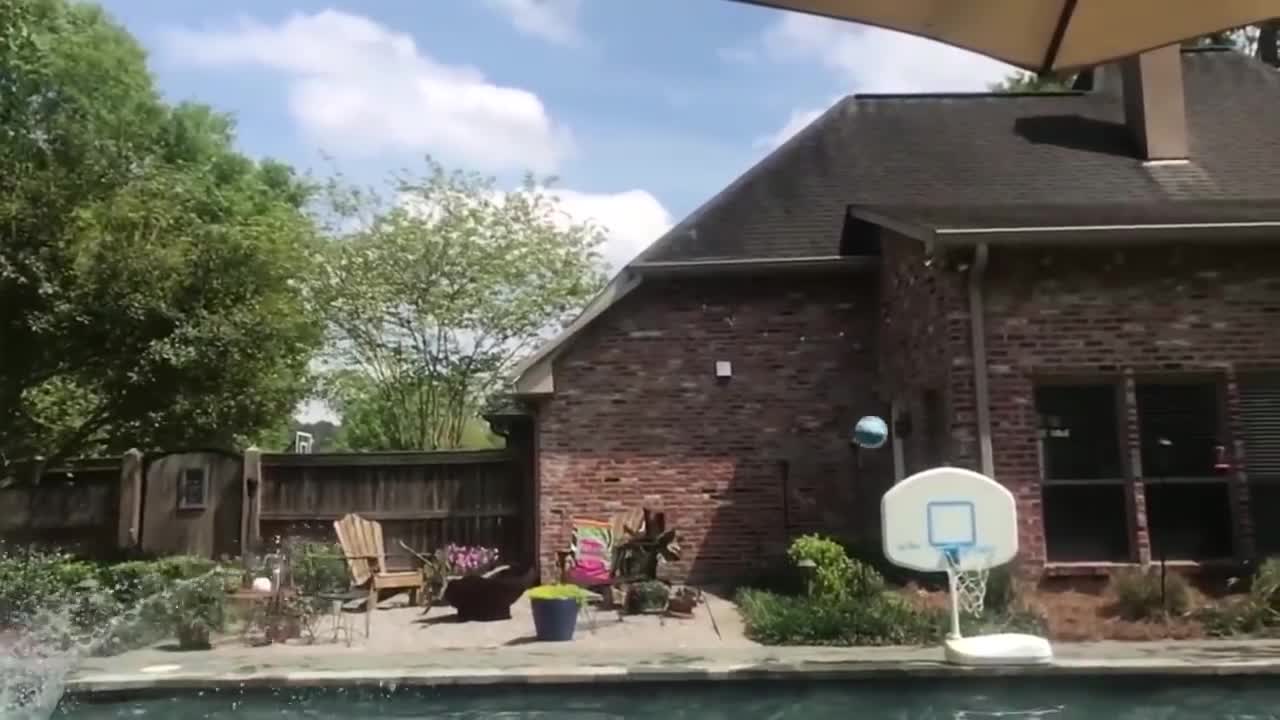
1131, 698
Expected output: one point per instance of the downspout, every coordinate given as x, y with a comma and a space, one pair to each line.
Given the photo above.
978, 337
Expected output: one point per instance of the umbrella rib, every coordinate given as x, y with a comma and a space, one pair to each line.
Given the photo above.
1060, 30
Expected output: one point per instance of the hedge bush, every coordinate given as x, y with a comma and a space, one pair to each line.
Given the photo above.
847, 602
105, 608
883, 619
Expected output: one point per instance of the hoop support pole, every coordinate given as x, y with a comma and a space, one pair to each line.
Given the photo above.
951, 556
954, 581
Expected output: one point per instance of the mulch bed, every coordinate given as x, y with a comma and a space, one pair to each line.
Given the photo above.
1084, 609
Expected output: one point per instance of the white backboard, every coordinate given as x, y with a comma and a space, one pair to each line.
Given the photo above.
949, 508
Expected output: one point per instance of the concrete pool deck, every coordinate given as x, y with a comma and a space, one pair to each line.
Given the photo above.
538, 663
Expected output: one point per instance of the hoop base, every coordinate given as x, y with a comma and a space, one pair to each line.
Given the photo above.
1001, 649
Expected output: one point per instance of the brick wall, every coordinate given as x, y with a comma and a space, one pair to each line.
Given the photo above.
1163, 310
925, 345
639, 418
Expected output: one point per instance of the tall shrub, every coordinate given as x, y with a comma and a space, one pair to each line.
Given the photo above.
834, 574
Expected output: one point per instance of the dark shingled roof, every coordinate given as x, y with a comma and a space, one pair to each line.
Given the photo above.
989, 159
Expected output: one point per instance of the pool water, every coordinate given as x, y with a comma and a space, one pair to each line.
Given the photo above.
1125, 698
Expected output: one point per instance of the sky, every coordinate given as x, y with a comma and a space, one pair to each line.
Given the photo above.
642, 109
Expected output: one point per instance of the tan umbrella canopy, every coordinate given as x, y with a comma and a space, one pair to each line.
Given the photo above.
1046, 35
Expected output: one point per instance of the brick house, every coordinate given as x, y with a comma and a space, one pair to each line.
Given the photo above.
1076, 293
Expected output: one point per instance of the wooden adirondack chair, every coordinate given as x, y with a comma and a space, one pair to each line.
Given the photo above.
361, 541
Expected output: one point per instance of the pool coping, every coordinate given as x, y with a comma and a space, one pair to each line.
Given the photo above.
104, 685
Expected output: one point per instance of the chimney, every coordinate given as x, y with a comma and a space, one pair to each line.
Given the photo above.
1154, 106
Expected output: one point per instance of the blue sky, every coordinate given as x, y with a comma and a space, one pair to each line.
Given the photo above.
642, 109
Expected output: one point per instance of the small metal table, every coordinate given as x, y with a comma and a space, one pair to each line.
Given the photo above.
341, 621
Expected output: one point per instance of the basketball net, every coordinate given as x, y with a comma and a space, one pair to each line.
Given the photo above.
968, 587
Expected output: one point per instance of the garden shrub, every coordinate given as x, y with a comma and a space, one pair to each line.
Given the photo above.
882, 619
318, 567
1258, 613
33, 581
1265, 588
1138, 594
119, 607
835, 575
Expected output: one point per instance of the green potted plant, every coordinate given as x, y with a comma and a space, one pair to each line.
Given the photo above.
647, 596
683, 600
555, 610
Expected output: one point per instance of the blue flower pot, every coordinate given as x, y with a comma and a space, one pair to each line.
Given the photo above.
554, 620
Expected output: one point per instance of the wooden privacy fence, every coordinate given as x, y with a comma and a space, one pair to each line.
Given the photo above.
74, 508
425, 499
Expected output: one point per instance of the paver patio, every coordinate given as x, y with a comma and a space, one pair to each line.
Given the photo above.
399, 629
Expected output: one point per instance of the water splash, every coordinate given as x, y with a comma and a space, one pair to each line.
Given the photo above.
38, 656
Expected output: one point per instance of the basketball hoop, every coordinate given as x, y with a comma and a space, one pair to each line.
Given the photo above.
968, 587
960, 522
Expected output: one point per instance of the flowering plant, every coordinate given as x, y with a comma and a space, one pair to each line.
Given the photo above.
467, 559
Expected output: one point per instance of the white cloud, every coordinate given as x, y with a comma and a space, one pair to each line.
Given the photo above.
356, 86
872, 60
555, 21
632, 219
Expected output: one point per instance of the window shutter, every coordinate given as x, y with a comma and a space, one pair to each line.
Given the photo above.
1260, 417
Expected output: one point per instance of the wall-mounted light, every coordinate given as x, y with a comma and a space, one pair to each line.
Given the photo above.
724, 369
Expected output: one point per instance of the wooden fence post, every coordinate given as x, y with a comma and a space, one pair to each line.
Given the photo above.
129, 526
250, 507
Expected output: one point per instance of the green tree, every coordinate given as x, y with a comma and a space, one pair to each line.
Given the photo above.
152, 280
1025, 82
445, 283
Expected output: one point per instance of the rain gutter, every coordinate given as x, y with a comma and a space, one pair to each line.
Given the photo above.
820, 263
1254, 231
1032, 235
978, 337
